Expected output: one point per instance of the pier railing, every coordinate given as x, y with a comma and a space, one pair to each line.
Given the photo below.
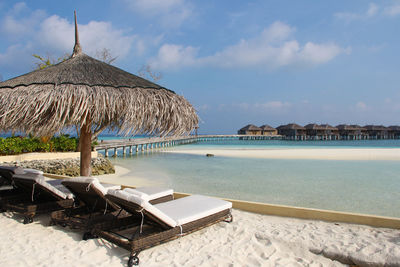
136, 145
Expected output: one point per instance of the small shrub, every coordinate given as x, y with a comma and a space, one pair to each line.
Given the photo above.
17, 144
64, 143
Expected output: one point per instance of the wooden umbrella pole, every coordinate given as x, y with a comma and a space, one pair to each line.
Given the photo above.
85, 141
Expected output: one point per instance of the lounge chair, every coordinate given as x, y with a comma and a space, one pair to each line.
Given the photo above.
94, 207
8, 189
162, 222
40, 196
7, 172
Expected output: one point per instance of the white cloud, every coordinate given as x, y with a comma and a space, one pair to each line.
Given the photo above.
372, 11
203, 107
272, 48
393, 10
18, 7
17, 57
155, 6
35, 32
349, 16
175, 56
16, 27
321, 53
58, 33
361, 106
170, 13
273, 106
270, 106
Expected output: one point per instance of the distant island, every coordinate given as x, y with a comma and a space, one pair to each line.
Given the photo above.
312, 131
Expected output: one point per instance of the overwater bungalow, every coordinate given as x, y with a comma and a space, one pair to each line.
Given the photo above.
321, 132
292, 131
394, 132
363, 133
250, 130
352, 132
377, 131
268, 130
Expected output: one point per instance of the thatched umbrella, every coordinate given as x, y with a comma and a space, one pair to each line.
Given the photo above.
88, 93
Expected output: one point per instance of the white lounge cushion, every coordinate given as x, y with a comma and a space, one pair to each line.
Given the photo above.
33, 171
39, 179
14, 169
192, 208
150, 192
180, 211
91, 181
57, 184
111, 186
144, 204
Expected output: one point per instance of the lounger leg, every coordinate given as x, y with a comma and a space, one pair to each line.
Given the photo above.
229, 219
28, 219
88, 235
133, 259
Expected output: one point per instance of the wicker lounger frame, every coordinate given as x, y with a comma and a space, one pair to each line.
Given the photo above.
6, 175
30, 209
154, 231
92, 206
95, 210
6, 180
10, 195
41, 200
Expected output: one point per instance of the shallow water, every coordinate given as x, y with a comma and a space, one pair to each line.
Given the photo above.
370, 187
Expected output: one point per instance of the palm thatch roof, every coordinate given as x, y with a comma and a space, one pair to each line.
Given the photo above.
291, 126
250, 127
352, 127
375, 127
266, 127
394, 128
328, 127
314, 126
82, 89
91, 95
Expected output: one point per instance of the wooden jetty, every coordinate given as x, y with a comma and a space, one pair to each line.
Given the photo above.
137, 145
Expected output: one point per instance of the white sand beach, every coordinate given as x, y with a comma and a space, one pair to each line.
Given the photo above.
250, 240
307, 153
120, 178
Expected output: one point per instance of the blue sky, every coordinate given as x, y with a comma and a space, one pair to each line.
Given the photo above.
237, 62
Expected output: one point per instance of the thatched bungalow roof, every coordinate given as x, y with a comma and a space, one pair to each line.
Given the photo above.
358, 127
394, 128
375, 128
328, 127
348, 127
292, 126
266, 127
250, 127
313, 126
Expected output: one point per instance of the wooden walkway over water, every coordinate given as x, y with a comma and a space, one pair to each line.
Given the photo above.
137, 145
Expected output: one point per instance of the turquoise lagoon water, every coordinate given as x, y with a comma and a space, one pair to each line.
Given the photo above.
371, 187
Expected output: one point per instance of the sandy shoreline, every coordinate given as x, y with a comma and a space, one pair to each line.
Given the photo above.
309, 153
250, 240
120, 175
